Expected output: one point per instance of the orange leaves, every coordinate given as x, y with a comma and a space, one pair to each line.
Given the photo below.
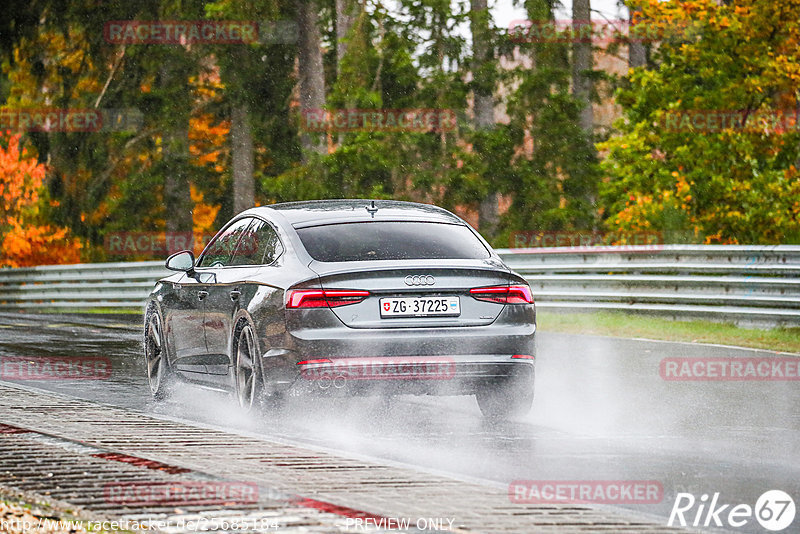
20, 179
718, 239
25, 244
209, 144
203, 217
207, 134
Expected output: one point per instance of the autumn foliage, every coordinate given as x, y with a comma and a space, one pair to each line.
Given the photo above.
711, 182
533, 169
24, 242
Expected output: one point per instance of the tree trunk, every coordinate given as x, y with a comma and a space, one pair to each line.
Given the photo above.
175, 153
483, 106
346, 11
242, 149
582, 65
345, 16
637, 52
312, 79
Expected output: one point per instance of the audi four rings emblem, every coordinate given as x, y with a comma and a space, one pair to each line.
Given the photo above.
420, 280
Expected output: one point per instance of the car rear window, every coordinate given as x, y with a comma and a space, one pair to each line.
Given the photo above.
385, 240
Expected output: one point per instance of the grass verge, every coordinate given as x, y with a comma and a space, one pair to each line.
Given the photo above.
619, 324
97, 311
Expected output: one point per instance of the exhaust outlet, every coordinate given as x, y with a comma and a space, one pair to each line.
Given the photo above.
339, 382
324, 383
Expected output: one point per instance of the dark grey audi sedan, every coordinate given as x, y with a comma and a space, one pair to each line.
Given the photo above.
345, 298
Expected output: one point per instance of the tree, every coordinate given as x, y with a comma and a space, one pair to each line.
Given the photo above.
243, 159
637, 50
542, 158
65, 62
678, 166
257, 80
311, 74
582, 64
483, 75
346, 13
176, 107
26, 239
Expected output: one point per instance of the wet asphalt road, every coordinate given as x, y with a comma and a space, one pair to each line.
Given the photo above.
601, 412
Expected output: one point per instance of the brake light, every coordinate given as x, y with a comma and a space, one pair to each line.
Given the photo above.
522, 357
321, 298
516, 294
321, 360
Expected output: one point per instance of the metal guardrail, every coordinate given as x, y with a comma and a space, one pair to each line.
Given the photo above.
748, 285
79, 287
757, 285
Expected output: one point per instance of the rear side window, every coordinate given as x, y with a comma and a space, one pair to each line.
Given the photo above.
248, 241
259, 245
220, 251
385, 240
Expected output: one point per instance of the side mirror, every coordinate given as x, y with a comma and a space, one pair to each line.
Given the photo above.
181, 261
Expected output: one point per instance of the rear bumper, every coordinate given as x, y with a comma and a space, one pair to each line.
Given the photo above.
392, 375
336, 340
359, 360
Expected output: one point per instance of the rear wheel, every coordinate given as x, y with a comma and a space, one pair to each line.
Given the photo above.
503, 401
247, 374
159, 374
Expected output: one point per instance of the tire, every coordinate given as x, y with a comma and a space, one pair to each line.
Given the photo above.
248, 385
504, 401
159, 374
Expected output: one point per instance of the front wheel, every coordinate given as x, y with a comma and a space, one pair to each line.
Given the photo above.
503, 401
158, 371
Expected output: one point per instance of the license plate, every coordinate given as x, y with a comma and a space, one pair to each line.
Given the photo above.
420, 306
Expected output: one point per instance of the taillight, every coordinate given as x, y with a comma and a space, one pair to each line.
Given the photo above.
517, 294
322, 298
308, 362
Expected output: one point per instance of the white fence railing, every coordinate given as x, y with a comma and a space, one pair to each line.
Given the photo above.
744, 284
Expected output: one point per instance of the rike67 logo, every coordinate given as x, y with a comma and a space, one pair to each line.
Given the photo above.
774, 510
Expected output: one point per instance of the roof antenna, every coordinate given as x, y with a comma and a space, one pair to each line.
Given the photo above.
372, 209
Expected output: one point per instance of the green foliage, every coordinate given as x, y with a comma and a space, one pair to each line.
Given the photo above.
694, 186
725, 184
553, 183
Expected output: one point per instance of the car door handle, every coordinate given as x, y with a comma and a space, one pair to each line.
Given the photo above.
202, 294
235, 294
